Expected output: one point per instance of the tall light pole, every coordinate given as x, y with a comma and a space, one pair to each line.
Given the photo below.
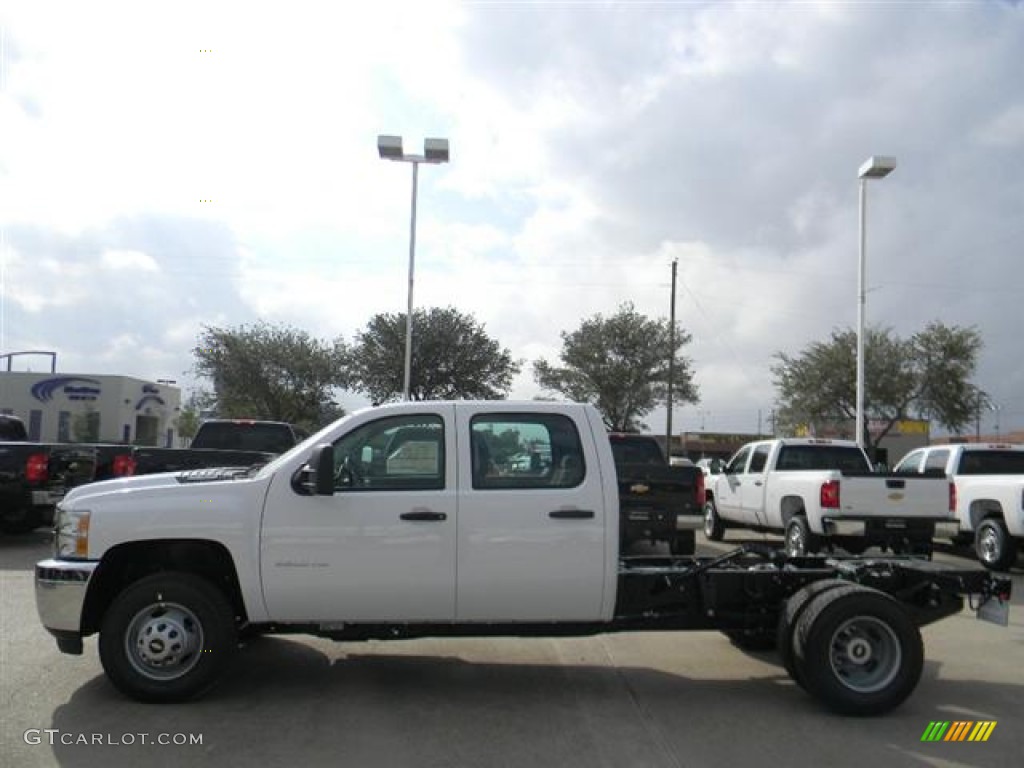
875, 167
435, 152
671, 362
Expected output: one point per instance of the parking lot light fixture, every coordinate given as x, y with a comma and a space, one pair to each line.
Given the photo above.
435, 151
875, 167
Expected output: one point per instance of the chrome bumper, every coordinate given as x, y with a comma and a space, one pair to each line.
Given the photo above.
61, 586
844, 527
948, 529
689, 522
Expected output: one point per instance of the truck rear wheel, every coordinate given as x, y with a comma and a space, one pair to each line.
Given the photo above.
713, 527
684, 543
167, 638
996, 549
794, 609
858, 651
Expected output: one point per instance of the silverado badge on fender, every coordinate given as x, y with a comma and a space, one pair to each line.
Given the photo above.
639, 488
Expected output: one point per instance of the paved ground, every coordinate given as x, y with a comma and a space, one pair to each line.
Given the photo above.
653, 699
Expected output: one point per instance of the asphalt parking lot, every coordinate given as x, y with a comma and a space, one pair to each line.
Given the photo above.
650, 699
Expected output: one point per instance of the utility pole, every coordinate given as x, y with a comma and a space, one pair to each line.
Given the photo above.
671, 362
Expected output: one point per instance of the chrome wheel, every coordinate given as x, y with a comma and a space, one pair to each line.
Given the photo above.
796, 539
989, 545
865, 654
164, 641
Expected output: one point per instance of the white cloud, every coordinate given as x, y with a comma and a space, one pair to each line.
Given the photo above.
121, 261
591, 144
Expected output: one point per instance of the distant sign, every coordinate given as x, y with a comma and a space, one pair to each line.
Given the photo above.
72, 387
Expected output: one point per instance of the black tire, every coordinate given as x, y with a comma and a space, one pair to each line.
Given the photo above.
995, 547
858, 651
790, 615
714, 529
799, 539
167, 638
685, 543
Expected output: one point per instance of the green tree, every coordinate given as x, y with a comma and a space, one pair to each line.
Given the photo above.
620, 364
925, 376
188, 420
273, 372
452, 358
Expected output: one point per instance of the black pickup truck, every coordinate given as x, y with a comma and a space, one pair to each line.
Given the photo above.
658, 502
34, 476
220, 443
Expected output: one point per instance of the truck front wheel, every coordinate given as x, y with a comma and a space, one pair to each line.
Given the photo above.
996, 549
167, 638
713, 526
858, 651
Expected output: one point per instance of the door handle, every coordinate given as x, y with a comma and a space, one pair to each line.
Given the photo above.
758, 482
572, 514
423, 515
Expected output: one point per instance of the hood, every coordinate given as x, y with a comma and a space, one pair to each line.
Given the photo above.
159, 480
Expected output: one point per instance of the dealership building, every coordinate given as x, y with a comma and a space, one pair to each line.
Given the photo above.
92, 408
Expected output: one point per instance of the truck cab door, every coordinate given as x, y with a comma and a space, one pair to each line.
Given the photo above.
752, 491
729, 487
532, 519
382, 547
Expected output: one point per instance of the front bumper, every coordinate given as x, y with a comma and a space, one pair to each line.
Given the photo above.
61, 587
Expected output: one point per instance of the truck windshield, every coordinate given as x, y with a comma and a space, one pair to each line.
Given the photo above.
991, 463
245, 436
636, 450
841, 457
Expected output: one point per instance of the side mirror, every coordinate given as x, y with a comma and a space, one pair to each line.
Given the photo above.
316, 478
716, 466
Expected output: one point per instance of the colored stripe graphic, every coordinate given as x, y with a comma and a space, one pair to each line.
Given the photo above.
935, 731
958, 730
982, 731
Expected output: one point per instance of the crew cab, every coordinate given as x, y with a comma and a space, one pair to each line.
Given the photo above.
989, 482
419, 519
824, 493
658, 501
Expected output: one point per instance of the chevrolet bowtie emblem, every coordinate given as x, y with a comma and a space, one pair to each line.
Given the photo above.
639, 488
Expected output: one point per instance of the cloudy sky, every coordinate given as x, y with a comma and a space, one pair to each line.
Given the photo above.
167, 166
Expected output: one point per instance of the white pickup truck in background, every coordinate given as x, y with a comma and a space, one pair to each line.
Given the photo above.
989, 482
821, 493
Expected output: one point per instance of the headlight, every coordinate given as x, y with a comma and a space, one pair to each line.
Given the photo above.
72, 528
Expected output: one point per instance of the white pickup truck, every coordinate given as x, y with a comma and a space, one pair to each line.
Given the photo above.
414, 520
820, 493
989, 481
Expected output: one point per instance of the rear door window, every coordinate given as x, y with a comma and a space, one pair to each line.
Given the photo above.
536, 450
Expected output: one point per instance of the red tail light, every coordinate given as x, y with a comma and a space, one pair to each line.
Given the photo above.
700, 489
37, 468
124, 465
830, 494
952, 497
